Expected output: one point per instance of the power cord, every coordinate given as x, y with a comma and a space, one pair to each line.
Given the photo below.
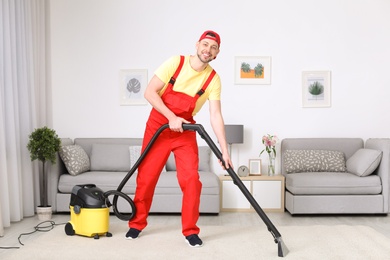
44, 226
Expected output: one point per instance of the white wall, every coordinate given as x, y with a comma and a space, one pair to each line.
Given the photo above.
91, 40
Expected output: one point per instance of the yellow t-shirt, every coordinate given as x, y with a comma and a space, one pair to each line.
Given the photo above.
189, 80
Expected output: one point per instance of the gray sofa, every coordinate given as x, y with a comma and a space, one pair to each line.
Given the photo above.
109, 160
316, 183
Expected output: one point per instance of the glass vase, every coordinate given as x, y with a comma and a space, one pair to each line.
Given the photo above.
271, 164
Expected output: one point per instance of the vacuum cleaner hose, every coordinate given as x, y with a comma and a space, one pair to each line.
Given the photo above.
118, 192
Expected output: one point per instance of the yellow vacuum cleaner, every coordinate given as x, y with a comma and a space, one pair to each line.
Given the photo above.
89, 212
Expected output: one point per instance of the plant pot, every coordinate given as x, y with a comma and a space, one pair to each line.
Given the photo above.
44, 213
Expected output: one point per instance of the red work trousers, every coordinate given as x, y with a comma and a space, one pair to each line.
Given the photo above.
185, 149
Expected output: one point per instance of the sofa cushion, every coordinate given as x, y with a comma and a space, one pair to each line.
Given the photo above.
167, 183
204, 160
75, 159
110, 157
314, 161
332, 183
364, 162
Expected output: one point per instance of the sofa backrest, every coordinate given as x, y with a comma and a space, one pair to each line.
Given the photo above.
346, 145
87, 143
108, 154
122, 161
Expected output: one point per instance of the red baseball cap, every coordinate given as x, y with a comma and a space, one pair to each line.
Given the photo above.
212, 36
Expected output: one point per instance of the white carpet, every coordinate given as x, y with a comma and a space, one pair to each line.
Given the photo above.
220, 242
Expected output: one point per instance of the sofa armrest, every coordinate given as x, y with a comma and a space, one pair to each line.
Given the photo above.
383, 169
54, 173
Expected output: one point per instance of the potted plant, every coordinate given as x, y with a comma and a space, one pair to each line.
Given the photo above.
43, 145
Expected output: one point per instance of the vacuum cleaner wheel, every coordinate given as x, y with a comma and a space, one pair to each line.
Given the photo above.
69, 229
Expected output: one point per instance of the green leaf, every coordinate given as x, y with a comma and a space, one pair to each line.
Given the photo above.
43, 144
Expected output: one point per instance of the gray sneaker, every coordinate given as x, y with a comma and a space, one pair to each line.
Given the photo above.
194, 240
133, 233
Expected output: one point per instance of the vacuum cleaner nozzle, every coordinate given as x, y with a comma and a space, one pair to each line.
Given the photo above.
282, 248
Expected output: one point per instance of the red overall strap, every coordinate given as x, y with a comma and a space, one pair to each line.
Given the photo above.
174, 77
206, 84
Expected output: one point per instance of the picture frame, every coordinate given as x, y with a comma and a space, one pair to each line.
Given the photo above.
316, 89
252, 70
254, 166
132, 85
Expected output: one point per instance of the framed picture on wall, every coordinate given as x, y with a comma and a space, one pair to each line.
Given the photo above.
254, 166
252, 70
132, 85
316, 89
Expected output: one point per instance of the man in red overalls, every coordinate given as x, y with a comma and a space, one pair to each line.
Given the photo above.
177, 91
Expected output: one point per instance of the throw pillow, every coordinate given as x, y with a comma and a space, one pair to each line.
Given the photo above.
75, 159
110, 157
135, 153
364, 162
314, 161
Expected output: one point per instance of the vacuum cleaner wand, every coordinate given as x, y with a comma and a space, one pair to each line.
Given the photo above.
282, 249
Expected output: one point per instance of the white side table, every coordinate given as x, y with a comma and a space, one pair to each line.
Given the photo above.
268, 191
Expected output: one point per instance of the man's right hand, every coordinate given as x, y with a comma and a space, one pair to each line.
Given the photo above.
176, 124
